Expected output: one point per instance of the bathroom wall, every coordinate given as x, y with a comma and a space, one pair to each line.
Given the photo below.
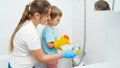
113, 49
102, 37
117, 4
102, 44
96, 37
10, 13
4, 61
98, 31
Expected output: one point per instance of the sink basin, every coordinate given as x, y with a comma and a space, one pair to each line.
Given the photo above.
96, 65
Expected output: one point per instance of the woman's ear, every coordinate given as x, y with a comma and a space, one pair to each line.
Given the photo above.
37, 15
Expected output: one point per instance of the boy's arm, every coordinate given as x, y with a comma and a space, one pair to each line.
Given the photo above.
50, 44
61, 42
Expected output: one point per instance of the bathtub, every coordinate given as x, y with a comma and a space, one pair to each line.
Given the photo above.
97, 65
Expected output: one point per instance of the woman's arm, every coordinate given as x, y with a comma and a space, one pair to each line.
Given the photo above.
39, 56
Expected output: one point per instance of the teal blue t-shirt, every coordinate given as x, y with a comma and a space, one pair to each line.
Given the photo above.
48, 35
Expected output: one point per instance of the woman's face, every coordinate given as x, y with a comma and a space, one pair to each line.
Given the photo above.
45, 17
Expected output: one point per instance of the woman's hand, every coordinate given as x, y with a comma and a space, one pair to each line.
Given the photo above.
68, 54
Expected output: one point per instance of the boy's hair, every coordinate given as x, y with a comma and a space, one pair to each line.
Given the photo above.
101, 5
55, 11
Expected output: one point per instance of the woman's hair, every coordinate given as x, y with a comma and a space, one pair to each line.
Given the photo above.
40, 6
55, 11
101, 5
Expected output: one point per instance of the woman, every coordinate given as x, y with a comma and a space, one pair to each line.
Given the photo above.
25, 41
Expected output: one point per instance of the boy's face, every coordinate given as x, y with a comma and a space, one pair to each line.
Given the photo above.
55, 21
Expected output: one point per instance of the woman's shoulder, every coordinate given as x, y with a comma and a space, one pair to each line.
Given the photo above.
28, 29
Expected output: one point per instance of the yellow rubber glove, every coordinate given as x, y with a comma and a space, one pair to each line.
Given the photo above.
61, 41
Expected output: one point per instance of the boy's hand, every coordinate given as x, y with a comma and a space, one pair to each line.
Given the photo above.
62, 41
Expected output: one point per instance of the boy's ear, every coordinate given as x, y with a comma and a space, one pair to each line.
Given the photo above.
37, 15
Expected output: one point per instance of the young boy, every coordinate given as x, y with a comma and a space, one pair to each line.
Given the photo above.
49, 35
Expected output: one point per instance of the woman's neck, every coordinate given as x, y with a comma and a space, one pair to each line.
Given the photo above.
34, 21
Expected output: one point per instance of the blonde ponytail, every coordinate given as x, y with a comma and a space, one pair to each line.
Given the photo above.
25, 17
